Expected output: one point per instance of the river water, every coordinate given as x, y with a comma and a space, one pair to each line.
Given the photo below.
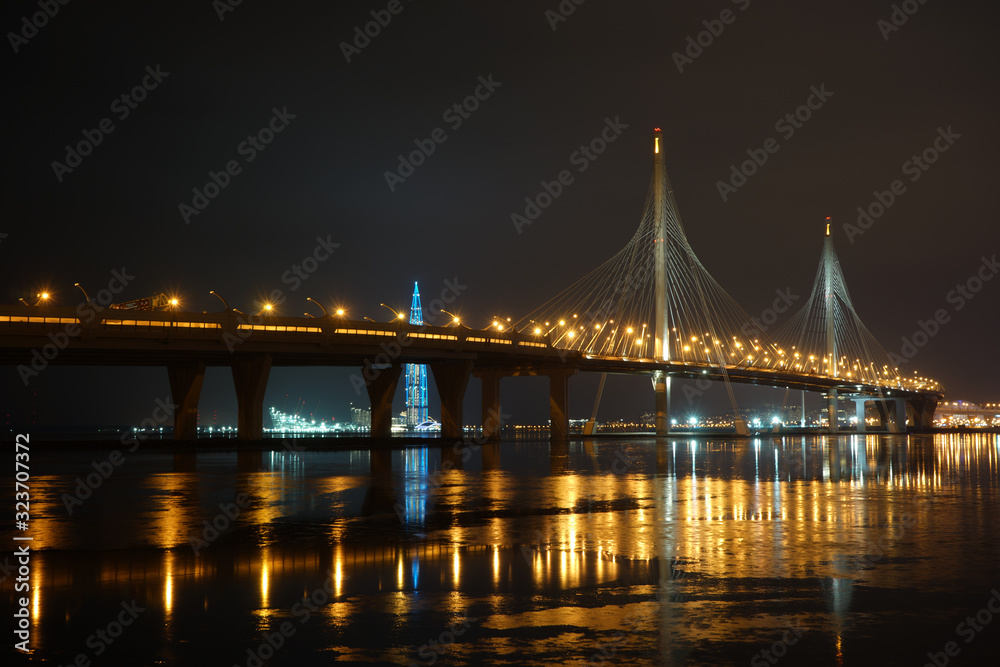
877, 550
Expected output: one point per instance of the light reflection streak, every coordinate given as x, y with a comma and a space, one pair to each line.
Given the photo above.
265, 579
843, 512
168, 584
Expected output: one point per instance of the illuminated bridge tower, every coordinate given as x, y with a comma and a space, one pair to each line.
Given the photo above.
416, 374
661, 381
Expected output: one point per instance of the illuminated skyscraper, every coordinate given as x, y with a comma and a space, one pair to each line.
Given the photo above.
416, 374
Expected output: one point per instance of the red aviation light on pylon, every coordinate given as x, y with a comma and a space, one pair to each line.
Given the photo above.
828, 226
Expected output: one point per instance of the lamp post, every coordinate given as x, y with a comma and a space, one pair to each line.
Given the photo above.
325, 314
455, 319
224, 303
85, 295
399, 315
500, 323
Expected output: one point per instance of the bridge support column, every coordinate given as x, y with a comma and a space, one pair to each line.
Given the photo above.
451, 380
859, 413
185, 390
381, 390
831, 410
250, 377
491, 403
897, 425
921, 412
661, 392
559, 404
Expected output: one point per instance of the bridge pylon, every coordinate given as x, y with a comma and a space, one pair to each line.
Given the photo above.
829, 262
661, 381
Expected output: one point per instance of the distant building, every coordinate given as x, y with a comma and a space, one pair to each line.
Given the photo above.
361, 417
416, 374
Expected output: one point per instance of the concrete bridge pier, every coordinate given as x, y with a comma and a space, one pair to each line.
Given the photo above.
892, 422
895, 423
451, 380
185, 390
381, 390
921, 412
859, 413
490, 403
661, 390
559, 403
831, 410
250, 377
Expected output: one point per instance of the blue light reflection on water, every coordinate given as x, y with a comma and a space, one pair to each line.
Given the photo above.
819, 538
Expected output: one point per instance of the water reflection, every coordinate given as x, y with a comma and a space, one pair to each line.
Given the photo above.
673, 533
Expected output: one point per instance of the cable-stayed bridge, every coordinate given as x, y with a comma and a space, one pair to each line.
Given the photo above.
651, 309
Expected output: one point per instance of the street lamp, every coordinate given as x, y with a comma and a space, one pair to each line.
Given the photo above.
21, 299
500, 323
86, 296
325, 314
42, 296
455, 318
369, 319
220, 299
266, 308
399, 315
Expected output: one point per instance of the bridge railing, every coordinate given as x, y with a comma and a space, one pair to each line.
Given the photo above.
90, 325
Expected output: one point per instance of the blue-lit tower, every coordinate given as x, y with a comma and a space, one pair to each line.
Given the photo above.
416, 374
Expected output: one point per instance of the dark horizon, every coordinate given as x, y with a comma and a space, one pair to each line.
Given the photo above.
542, 88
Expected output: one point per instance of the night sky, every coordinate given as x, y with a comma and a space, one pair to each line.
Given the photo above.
555, 82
